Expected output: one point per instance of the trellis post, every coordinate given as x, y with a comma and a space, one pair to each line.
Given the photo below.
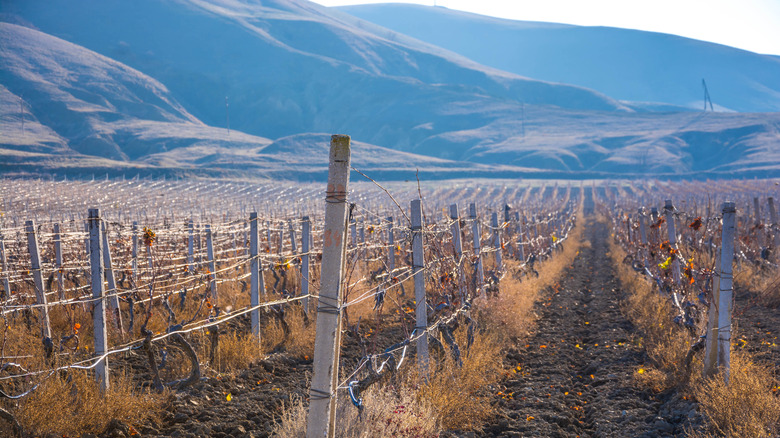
135, 252
458, 244
421, 307
40, 290
497, 241
672, 233
58, 261
475, 227
98, 297
212, 264
322, 406
4, 264
775, 233
391, 243
256, 276
305, 260
519, 232
191, 247
113, 300
726, 292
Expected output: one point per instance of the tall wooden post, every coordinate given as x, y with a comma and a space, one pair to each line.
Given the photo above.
58, 261
212, 265
421, 306
135, 252
305, 260
497, 241
726, 292
322, 406
458, 244
191, 247
391, 243
98, 296
40, 289
476, 230
256, 274
672, 233
113, 300
4, 265
775, 232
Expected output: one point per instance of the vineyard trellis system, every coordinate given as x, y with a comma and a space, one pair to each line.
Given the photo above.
145, 279
690, 255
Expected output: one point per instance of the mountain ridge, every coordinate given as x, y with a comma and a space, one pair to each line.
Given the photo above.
626, 64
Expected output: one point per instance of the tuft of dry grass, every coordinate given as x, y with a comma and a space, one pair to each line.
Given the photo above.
747, 407
460, 395
76, 405
386, 412
237, 352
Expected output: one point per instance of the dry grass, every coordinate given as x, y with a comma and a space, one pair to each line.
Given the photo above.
75, 407
666, 344
511, 313
386, 413
747, 407
460, 395
236, 352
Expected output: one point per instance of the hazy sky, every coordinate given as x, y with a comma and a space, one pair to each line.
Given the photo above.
747, 24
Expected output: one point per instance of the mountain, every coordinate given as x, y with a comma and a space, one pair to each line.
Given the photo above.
85, 113
625, 64
291, 66
139, 87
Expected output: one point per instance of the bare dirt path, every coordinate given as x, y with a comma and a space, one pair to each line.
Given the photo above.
574, 376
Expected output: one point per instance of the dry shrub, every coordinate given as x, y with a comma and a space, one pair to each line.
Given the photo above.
747, 407
459, 394
73, 408
386, 412
510, 313
237, 352
299, 342
666, 344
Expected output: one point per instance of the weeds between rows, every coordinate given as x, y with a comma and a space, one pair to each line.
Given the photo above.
747, 407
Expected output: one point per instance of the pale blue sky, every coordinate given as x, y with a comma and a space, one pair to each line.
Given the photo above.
747, 24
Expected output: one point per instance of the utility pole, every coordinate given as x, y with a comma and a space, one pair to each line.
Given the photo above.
227, 115
21, 113
706, 96
522, 119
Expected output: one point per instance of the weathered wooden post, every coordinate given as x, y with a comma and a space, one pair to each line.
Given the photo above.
458, 244
305, 260
421, 307
669, 212
191, 247
322, 406
4, 265
98, 297
774, 228
135, 252
391, 243
40, 290
477, 249
726, 292
212, 265
58, 261
113, 300
519, 232
256, 275
497, 242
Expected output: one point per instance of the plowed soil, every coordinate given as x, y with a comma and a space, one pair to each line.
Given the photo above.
574, 375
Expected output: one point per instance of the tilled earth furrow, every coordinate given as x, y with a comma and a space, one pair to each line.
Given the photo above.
575, 374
